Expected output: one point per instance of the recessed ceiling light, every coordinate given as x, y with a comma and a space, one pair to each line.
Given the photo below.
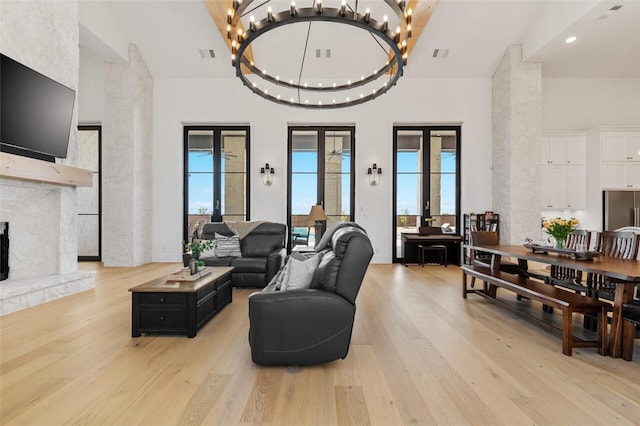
571, 39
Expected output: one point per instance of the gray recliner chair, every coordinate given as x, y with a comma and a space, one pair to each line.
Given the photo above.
312, 326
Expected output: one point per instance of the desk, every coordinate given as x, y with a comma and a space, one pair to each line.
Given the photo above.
410, 243
625, 270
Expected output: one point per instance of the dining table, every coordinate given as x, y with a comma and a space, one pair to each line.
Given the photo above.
625, 273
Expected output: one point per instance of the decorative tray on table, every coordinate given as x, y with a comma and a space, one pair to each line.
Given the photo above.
578, 255
184, 275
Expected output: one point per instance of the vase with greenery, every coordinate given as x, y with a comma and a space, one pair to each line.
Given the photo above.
560, 229
197, 247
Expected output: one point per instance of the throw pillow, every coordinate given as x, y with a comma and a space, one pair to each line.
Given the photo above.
300, 273
209, 253
227, 246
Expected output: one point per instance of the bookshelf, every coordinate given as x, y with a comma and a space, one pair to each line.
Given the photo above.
487, 221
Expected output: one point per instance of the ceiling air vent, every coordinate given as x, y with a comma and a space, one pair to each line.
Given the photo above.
319, 52
610, 12
440, 53
207, 53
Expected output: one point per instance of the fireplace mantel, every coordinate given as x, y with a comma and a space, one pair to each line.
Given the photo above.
24, 168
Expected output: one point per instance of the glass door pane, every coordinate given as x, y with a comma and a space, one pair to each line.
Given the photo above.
304, 184
233, 175
443, 153
409, 184
201, 179
88, 223
337, 175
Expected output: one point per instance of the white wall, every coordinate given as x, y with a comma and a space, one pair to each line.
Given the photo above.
224, 101
585, 103
91, 93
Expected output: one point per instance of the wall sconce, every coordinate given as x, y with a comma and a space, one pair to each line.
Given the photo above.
374, 173
267, 174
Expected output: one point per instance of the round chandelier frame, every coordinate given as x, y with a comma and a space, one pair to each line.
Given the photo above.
388, 74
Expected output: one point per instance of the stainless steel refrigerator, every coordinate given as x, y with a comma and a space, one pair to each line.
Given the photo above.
621, 208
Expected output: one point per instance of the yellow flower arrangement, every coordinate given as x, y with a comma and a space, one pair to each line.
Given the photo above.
560, 229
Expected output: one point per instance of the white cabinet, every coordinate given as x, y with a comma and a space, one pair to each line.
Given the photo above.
563, 172
620, 154
563, 187
563, 150
621, 175
620, 146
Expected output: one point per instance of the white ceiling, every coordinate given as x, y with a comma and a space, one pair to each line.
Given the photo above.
169, 35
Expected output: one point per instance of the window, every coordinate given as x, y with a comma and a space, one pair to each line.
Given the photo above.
89, 198
216, 184
426, 180
320, 172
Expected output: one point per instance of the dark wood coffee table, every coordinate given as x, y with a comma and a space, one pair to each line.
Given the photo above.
179, 307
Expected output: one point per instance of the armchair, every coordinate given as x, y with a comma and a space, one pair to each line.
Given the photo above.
313, 325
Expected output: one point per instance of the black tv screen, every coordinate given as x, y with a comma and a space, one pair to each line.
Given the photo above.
35, 112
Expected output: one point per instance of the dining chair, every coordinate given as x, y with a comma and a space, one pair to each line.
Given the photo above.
565, 277
630, 327
579, 240
618, 244
488, 238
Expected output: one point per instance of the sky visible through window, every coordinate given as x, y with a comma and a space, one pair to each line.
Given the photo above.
408, 182
304, 188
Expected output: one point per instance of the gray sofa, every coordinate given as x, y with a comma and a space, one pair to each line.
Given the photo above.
312, 325
263, 252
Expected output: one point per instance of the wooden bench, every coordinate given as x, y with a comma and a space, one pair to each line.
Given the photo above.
549, 295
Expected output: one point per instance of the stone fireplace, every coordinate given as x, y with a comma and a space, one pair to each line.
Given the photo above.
43, 247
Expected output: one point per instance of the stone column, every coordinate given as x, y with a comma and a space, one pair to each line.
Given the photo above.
516, 118
127, 163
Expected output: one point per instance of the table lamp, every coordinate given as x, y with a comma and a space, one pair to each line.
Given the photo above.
319, 219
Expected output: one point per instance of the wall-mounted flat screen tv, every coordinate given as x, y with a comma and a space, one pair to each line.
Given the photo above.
35, 112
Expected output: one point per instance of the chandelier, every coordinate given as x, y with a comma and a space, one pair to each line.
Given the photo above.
318, 91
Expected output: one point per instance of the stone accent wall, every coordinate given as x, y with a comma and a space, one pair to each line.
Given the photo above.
44, 36
516, 118
127, 151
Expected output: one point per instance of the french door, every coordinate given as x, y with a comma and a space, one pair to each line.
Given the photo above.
426, 180
216, 184
89, 223
321, 171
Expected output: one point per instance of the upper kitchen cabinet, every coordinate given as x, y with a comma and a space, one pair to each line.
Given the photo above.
563, 150
620, 146
563, 171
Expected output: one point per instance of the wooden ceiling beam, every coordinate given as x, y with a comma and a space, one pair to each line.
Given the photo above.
218, 9
421, 11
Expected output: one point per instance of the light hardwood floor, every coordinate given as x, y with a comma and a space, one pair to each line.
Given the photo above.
420, 355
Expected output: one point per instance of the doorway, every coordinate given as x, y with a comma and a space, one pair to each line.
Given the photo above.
426, 180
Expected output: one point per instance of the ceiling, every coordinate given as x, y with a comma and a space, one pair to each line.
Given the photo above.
169, 35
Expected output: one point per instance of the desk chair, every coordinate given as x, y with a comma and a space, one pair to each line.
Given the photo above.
423, 249
300, 236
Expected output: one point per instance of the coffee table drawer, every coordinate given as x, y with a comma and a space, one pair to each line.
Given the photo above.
163, 320
163, 299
